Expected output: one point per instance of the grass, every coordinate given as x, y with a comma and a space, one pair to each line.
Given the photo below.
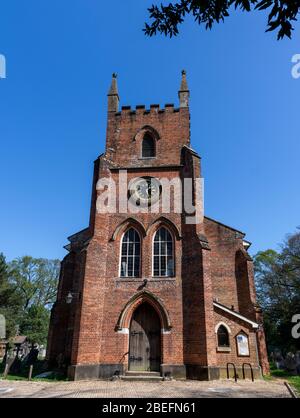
294, 381
34, 379
38, 368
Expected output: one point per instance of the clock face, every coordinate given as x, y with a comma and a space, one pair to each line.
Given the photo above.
145, 190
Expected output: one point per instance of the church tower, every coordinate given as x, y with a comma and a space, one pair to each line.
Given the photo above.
157, 287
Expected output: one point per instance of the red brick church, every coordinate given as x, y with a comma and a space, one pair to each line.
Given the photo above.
149, 292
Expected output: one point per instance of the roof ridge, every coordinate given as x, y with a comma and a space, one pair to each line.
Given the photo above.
226, 226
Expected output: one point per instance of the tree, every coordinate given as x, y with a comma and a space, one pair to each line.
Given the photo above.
166, 19
10, 305
36, 278
35, 323
278, 290
27, 291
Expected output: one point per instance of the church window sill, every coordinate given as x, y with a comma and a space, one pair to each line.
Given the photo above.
223, 349
138, 280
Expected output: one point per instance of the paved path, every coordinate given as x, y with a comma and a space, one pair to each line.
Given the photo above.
121, 389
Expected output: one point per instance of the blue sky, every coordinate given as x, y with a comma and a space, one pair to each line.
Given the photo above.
60, 56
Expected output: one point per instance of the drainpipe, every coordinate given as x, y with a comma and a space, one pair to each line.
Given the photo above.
256, 349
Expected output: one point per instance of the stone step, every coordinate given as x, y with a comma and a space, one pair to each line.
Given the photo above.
141, 378
142, 373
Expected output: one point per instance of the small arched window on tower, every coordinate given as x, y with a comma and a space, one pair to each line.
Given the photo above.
223, 336
148, 146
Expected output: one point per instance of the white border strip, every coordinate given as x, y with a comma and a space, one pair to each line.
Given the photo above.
230, 311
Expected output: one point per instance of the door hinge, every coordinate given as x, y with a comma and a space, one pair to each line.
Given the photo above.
136, 333
132, 358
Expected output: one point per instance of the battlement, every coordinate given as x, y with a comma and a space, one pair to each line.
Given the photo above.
143, 110
167, 125
114, 101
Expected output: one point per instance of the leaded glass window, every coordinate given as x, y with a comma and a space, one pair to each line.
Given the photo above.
130, 254
223, 337
163, 254
148, 147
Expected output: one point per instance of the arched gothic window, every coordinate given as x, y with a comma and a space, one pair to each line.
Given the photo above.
131, 254
163, 253
223, 336
148, 146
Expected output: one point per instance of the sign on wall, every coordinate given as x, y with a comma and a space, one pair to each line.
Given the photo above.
242, 345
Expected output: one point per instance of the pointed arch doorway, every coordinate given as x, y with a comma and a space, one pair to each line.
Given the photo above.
145, 339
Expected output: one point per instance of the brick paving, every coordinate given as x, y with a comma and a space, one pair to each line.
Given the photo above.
121, 389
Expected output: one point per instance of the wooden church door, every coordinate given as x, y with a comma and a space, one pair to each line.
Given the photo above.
145, 340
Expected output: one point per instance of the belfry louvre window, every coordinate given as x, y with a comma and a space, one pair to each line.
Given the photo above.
223, 337
163, 254
130, 254
148, 147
